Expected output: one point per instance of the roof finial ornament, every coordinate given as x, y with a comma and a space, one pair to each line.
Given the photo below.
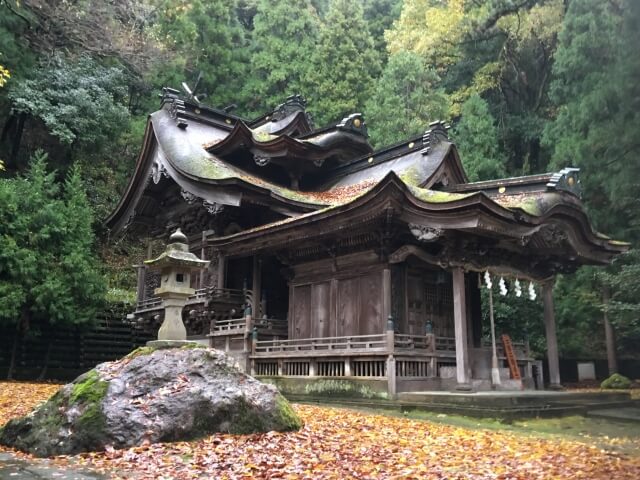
437, 132
293, 104
191, 92
354, 123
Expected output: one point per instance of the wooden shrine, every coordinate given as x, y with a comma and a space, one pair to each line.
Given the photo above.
328, 260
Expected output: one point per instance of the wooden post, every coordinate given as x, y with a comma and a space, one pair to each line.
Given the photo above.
609, 336
460, 325
141, 273
550, 332
222, 266
386, 293
257, 287
202, 255
391, 376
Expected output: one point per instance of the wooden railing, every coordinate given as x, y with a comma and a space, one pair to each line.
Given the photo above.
331, 345
229, 326
445, 344
272, 326
148, 304
420, 342
225, 296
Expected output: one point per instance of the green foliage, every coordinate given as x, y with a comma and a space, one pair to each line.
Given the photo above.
477, 139
344, 63
79, 101
405, 99
47, 269
518, 317
597, 92
280, 50
202, 36
616, 382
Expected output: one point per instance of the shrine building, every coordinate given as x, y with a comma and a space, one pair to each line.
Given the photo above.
331, 261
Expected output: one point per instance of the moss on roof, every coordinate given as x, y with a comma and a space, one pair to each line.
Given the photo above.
531, 203
435, 196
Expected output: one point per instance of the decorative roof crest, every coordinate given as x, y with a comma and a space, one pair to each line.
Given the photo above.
293, 103
437, 132
354, 123
566, 180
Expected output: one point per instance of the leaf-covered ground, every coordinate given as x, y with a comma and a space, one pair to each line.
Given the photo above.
344, 444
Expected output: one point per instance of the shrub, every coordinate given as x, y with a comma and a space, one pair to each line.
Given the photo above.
616, 381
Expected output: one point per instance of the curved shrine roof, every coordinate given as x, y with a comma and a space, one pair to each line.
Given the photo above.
198, 148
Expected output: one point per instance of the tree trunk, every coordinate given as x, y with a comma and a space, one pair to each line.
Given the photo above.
21, 327
609, 336
17, 140
45, 366
14, 352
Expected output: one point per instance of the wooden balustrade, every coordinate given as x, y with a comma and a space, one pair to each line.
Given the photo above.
202, 295
229, 326
330, 345
445, 344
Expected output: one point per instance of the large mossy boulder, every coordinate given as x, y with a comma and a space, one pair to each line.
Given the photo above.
151, 396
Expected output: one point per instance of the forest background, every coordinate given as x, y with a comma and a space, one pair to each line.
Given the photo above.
529, 86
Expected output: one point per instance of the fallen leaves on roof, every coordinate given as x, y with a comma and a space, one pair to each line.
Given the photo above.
345, 444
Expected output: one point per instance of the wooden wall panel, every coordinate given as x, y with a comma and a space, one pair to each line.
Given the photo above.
320, 307
371, 304
348, 307
301, 312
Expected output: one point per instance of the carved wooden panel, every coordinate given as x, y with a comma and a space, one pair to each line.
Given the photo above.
320, 307
371, 304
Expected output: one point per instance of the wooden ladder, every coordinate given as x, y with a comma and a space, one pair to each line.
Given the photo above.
511, 357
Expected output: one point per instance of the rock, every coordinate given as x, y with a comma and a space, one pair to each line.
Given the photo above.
151, 395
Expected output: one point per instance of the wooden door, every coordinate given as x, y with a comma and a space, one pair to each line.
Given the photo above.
416, 303
300, 326
348, 307
320, 296
371, 304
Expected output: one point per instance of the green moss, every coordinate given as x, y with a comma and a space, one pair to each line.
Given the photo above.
616, 381
90, 390
246, 420
262, 136
530, 206
140, 351
343, 388
433, 196
411, 176
192, 345
286, 416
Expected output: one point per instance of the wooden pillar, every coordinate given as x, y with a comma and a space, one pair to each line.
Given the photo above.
222, 267
141, 273
203, 242
460, 325
386, 295
550, 332
256, 284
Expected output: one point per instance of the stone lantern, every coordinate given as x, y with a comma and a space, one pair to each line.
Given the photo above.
175, 265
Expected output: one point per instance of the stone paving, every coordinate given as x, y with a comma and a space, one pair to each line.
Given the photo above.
19, 469
625, 414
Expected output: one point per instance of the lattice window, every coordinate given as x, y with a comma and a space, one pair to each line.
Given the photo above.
330, 369
369, 368
296, 369
267, 368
